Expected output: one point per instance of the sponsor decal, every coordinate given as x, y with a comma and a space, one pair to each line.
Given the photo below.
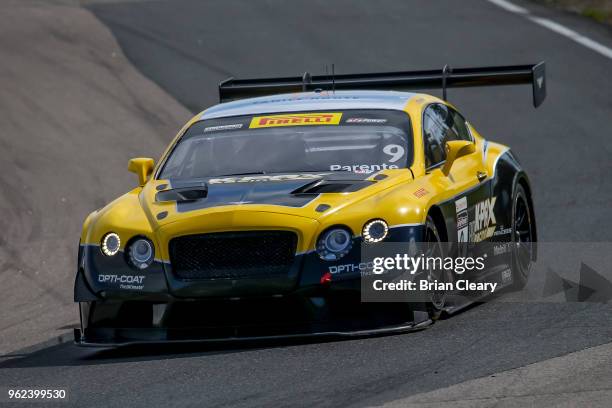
362, 168
258, 179
463, 235
484, 222
502, 231
366, 120
461, 204
506, 276
223, 127
501, 249
134, 282
364, 268
462, 219
420, 192
297, 119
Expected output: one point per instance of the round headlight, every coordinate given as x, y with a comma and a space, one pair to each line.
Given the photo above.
375, 231
141, 253
110, 244
334, 243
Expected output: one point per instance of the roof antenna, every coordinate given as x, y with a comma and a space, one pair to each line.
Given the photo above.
446, 71
333, 80
306, 80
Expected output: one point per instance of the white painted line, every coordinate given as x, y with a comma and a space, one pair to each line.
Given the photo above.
572, 35
556, 27
509, 6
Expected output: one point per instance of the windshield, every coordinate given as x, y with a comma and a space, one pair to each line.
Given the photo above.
359, 141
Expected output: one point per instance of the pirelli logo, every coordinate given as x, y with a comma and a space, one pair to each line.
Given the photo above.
299, 119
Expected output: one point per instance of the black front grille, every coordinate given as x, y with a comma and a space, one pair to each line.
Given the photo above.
233, 255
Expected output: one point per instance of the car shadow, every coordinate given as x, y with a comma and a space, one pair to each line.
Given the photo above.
69, 354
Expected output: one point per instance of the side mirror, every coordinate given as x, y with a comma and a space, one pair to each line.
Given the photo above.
143, 167
454, 150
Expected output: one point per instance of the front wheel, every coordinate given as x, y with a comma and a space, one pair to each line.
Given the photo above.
434, 248
522, 238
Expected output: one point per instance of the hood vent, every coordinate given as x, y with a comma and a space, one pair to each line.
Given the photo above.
333, 186
184, 194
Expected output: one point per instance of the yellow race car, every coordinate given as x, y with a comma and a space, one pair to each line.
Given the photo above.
253, 221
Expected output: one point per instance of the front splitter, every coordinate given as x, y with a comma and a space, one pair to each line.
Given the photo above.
113, 341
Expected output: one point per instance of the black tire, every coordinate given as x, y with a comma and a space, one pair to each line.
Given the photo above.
434, 248
522, 238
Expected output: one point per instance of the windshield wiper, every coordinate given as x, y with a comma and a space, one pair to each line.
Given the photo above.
242, 174
281, 172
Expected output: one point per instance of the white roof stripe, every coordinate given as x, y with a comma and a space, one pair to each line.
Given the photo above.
311, 101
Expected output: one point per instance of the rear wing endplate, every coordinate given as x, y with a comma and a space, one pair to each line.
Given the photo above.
232, 89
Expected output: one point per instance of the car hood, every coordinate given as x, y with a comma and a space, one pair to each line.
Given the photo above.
306, 194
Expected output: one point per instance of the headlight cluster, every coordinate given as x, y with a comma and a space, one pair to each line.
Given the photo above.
110, 244
140, 251
375, 231
336, 242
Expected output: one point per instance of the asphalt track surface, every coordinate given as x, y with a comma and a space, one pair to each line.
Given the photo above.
187, 47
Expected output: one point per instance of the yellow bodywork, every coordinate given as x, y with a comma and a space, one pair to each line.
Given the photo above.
392, 199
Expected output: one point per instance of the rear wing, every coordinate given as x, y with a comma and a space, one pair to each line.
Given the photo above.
232, 89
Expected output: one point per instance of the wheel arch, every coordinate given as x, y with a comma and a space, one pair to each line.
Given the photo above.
438, 218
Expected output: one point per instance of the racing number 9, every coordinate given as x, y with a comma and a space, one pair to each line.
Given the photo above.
395, 151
